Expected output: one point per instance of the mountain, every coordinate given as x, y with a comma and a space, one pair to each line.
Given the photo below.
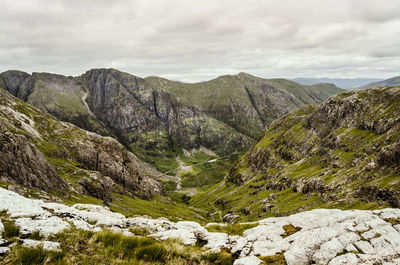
346, 83
245, 102
344, 154
394, 81
38, 151
156, 118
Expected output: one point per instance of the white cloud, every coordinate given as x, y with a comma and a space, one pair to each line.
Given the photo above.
198, 40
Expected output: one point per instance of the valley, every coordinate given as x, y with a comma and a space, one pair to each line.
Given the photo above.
229, 155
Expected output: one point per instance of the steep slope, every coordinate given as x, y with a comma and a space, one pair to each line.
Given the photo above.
345, 154
40, 152
245, 102
394, 81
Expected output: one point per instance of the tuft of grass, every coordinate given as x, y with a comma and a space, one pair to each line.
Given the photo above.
290, 230
393, 221
109, 239
10, 229
152, 253
36, 236
219, 258
277, 259
92, 222
231, 229
139, 231
30, 256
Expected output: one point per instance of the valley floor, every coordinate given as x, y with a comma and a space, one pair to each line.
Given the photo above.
83, 233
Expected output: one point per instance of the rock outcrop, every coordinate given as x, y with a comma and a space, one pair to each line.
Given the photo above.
324, 236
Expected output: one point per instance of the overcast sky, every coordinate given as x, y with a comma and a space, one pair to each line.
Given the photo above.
198, 40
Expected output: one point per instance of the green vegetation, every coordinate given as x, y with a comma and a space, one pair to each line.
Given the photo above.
218, 258
36, 236
35, 256
290, 230
231, 229
139, 231
10, 229
85, 247
278, 259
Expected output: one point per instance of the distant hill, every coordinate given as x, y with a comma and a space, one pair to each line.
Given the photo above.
394, 81
347, 83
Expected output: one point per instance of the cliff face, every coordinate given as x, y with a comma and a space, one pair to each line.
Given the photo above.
344, 153
155, 117
41, 152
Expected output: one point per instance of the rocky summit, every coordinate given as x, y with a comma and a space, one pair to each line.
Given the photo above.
313, 237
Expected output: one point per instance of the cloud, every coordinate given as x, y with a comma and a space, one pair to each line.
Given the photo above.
198, 40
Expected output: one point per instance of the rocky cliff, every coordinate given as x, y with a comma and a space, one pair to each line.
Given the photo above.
156, 117
41, 152
344, 153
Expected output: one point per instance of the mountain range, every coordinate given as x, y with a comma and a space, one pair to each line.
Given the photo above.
156, 118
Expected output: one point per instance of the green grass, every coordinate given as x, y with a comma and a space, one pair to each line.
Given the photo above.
36, 256
290, 230
36, 236
219, 258
277, 259
139, 231
107, 247
231, 229
157, 207
152, 253
10, 229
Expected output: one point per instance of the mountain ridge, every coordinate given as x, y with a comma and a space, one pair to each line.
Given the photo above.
152, 113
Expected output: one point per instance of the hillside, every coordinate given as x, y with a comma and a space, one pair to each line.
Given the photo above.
157, 118
394, 81
342, 154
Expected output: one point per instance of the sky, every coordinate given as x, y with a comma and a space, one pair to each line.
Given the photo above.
198, 40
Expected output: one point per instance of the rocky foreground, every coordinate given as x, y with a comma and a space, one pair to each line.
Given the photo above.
321, 236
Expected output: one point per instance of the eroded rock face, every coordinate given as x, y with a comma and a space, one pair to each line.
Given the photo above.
36, 150
326, 236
